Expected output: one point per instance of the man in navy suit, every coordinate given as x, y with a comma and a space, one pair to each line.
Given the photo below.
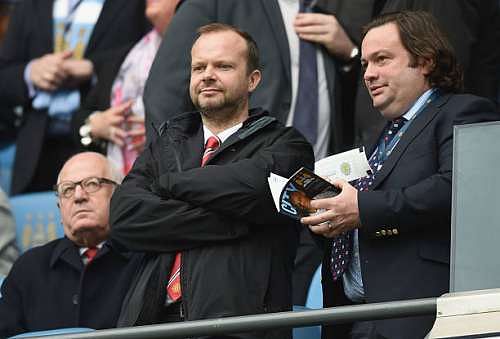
388, 236
79, 280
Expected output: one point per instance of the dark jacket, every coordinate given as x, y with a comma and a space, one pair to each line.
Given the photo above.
404, 239
49, 287
237, 251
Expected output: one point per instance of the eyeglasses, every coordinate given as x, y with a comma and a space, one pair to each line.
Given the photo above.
66, 189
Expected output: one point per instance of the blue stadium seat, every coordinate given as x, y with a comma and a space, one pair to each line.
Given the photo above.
315, 294
2, 277
54, 332
7, 153
37, 217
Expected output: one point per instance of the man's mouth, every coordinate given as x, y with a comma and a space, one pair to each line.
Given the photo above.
376, 89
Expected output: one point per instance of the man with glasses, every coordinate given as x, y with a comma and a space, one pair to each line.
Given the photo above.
79, 280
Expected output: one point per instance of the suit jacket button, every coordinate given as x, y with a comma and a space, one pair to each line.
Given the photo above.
377, 234
395, 231
383, 232
389, 232
75, 299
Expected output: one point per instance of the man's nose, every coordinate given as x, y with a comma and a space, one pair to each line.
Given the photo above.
208, 73
369, 73
80, 193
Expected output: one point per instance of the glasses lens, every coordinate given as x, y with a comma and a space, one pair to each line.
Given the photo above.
66, 189
91, 185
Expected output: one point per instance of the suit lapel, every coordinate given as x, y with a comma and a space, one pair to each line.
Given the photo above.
275, 19
46, 22
416, 127
110, 9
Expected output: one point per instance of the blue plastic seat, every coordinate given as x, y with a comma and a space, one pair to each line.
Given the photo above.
315, 294
7, 154
37, 217
54, 332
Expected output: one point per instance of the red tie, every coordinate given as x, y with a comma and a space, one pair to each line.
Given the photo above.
174, 283
90, 254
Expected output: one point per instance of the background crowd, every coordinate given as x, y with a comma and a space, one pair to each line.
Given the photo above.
105, 76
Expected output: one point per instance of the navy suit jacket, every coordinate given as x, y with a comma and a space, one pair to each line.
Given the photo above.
404, 239
49, 287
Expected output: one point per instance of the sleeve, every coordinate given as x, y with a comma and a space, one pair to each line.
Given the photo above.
166, 92
426, 203
240, 189
11, 304
143, 218
8, 249
14, 57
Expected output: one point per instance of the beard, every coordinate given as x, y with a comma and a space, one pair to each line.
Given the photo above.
218, 107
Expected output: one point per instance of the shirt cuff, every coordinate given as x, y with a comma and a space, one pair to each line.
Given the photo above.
31, 87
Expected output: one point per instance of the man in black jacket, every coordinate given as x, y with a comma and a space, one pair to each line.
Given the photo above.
236, 251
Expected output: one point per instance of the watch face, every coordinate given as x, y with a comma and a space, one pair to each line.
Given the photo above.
84, 130
86, 141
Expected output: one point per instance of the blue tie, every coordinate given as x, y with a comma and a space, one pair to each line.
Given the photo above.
305, 117
342, 245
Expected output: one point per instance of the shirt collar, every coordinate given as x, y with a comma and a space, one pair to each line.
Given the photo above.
82, 250
415, 108
222, 135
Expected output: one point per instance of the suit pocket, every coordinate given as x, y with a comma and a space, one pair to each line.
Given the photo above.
435, 251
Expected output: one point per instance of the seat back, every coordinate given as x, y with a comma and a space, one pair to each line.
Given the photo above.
37, 217
314, 298
309, 332
7, 154
69, 330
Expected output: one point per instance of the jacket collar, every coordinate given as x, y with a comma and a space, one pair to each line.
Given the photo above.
68, 252
415, 129
186, 133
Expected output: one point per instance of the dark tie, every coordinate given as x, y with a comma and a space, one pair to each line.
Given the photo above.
342, 245
305, 117
174, 282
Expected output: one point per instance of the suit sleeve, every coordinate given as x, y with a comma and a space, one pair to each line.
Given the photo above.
11, 303
145, 218
425, 204
165, 93
14, 57
240, 189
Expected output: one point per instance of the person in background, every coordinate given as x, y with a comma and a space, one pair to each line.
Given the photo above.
111, 119
79, 280
388, 236
52, 53
8, 249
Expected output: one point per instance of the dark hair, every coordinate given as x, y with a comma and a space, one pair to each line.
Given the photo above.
252, 49
422, 37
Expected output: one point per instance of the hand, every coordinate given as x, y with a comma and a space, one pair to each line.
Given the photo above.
341, 213
137, 132
47, 72
78, 71
324, 29
107, 124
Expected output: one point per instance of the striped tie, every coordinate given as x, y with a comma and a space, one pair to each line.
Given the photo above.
174, 283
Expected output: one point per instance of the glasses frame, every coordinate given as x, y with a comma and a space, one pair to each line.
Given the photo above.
100, 180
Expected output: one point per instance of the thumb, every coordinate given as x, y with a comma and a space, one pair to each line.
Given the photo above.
66, 54
339, 183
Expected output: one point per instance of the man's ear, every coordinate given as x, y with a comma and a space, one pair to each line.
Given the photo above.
427, 65
254, 80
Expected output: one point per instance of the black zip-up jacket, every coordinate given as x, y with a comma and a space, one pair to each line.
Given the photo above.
237, 251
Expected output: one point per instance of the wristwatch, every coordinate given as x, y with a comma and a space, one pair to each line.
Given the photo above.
353, 57
85, 132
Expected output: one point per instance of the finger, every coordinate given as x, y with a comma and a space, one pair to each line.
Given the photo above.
136, 119
136, 132
122, 108
314, 38
312, 29
306, 19
318, 218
